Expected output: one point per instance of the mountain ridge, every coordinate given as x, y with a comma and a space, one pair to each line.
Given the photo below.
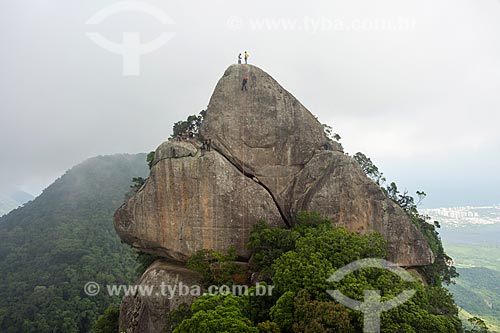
13, 200
53, 245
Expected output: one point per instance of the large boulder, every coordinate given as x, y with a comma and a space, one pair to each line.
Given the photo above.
267, 133
143, 313
193, 201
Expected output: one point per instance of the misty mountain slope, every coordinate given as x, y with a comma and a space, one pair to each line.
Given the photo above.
55, 244
475, 247
21, 196
11, 201
478, 292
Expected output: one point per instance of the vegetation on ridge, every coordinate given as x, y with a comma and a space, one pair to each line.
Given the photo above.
442, 270
54, 245
191, 124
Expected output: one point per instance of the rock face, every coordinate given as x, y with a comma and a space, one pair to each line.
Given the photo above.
271, 159
334, 185
146, 314
266, 132
193, 201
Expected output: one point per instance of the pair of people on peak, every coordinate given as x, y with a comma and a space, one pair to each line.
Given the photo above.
246, 57
245, 79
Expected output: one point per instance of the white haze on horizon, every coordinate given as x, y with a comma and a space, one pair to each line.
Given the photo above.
421, 100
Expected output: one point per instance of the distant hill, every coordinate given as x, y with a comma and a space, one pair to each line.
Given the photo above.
64, 238
11, 201
474, 245
478, 292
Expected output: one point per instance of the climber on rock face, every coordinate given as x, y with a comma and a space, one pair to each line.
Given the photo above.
244, 83
239, 59
207, 145
246, 57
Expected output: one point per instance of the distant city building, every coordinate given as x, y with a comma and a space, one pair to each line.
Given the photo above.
461, 216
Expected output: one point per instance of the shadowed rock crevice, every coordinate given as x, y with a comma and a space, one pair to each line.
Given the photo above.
257, 181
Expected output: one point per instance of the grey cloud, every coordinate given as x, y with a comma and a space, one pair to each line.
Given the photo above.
403, 97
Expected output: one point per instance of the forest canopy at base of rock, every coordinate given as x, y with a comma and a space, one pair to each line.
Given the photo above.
298, 262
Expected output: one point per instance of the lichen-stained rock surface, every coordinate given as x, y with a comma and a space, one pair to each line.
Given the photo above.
142, 313
193, 201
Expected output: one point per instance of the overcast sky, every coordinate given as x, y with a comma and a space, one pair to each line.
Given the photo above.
413, 84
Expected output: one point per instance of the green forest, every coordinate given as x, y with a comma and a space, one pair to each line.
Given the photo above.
298, 263
478, 290
63, 239
52, 246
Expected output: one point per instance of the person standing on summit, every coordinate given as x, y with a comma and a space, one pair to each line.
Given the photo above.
246, 57
239, 59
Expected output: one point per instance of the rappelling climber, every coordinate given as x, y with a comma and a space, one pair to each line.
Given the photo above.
244, 83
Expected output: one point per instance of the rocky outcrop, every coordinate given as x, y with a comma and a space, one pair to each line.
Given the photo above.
194, 201
334, 185
265, 130
269, 134
271, 159
143, 313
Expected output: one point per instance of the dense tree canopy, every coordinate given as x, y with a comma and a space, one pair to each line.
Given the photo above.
63, 239
298, 262
191, 124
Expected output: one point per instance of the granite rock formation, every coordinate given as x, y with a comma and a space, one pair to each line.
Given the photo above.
148, 313
271, 159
